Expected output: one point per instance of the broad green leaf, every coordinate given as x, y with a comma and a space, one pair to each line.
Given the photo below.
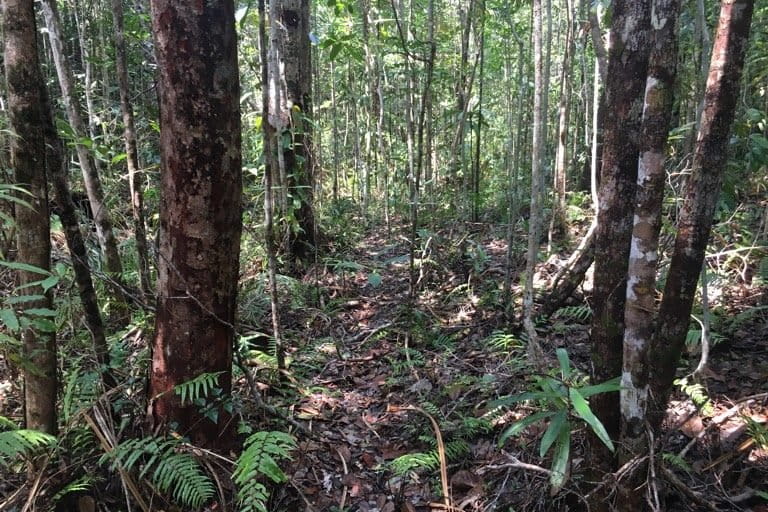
44, 325
519, 426
40, 312
565, 363
560, 461
22, 299
581, 406
335, 49
118, 158
49, 282
553, 431
605, 387
8, 317
24, 267
374, 279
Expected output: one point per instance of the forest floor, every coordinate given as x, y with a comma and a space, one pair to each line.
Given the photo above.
370, 355
369, 369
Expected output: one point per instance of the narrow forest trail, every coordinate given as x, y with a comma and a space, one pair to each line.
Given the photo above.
369, 356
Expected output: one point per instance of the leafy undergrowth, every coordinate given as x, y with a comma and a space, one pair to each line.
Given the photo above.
370, 370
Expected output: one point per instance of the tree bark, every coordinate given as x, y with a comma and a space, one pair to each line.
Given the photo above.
643, 258
132, 154
537, 153
91, 179
297, 62
33, 242
200, 215
695, 222
627, 68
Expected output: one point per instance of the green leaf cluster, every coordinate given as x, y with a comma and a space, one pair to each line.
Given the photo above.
563, 399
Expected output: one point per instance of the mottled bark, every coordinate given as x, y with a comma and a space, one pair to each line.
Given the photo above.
627, 68
33, 243
695, 222
200, 215
131, 151
643, 257
91, 179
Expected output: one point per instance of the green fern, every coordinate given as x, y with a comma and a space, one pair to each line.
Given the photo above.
575, 313
502, 342
17, 443
429, 461
677, 461
198, 388
698, 395
166, 463
260, 456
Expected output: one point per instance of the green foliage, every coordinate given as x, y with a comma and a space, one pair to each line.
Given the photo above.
10, 193
698, 395
429, 461
562, 399
198, 388
579, 314
21, 443
502, 342
677, 461
259, 459
170, 466
758, 432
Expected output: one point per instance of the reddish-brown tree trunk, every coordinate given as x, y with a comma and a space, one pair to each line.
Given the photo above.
200, 216
701, 196
627, 68
33, 242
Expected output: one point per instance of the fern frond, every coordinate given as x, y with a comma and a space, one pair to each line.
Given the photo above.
199, 387
22, 443
575, 313
174, 471
429, 461
261, 452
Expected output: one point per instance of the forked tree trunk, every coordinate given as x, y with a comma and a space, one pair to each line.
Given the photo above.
91, 178
132, 154
627, 68
200, 216
701, 196
641, 274
33, 242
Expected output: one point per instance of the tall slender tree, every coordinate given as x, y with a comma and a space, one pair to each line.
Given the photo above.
26, 115
200, 216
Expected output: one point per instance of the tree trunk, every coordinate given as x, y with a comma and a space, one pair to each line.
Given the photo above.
33, 241
132, 155
557, 230
297, 62
534, 222
91, 179
200, 216
643, 257
701, 196
627, 68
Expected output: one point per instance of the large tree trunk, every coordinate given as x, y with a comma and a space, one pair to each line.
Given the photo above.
132, 154
701, 197
91, 179
200, 217
627, 67
26, 115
